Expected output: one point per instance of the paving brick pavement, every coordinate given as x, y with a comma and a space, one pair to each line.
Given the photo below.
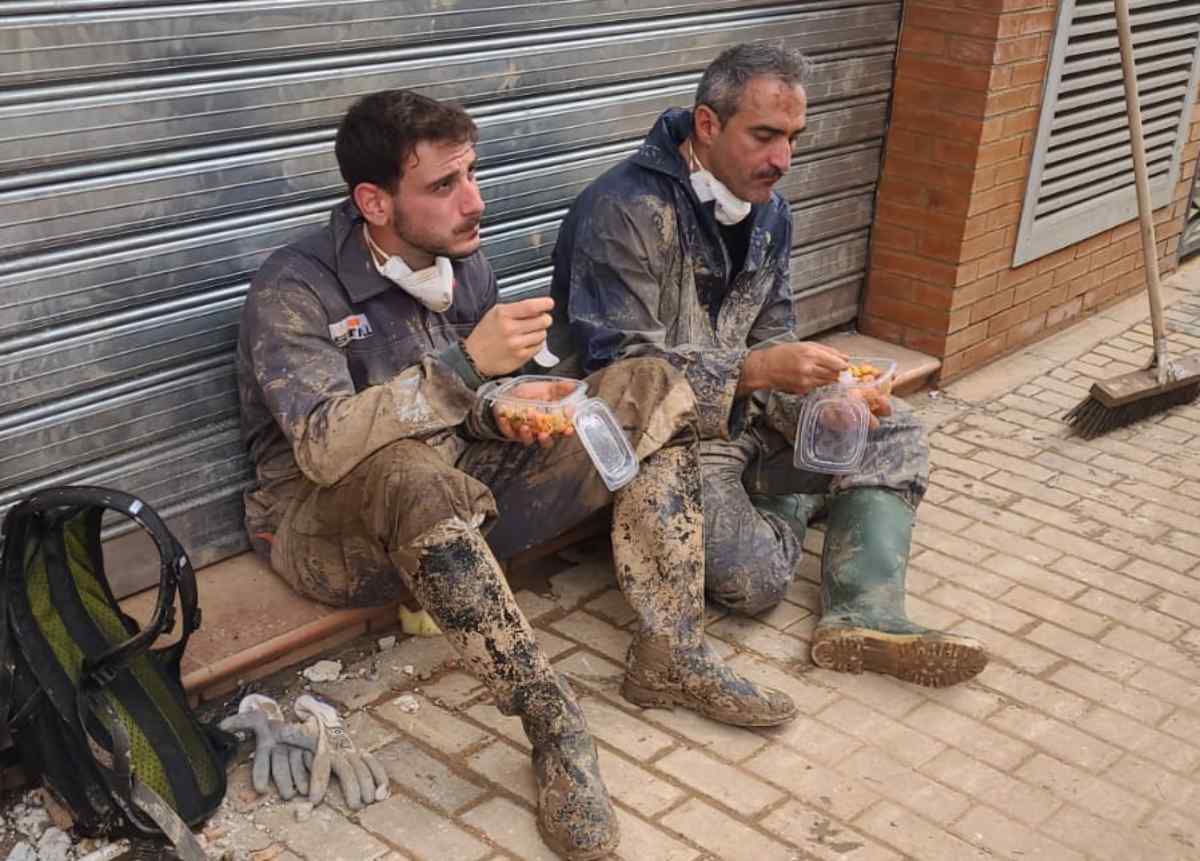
1078, 563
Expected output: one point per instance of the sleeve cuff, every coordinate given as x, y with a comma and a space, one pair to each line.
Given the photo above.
714, 376
454, 358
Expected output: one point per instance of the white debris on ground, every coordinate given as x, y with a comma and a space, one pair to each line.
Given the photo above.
29, 833
323, 671
407, 704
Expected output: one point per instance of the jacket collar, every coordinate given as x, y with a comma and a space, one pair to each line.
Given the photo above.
352, 261
659, 152
660, 148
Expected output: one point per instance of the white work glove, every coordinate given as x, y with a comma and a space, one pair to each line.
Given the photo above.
279, 746
362, 776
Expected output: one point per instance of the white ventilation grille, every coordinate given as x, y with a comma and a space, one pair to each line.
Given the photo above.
1081, 178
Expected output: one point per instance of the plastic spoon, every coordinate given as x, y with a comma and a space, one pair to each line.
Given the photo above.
544, 358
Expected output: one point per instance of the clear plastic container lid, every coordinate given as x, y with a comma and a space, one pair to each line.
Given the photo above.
606, 443
831, 436
548, 404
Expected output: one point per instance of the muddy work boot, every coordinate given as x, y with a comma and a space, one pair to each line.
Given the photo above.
864, 625
458, 582
658, 554
660, 676
575, 815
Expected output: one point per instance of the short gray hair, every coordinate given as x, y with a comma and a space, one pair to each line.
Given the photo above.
724, 81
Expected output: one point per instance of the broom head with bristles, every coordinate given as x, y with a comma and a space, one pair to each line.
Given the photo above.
1134, 396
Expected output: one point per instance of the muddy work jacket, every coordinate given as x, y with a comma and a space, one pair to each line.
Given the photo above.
640, 268
335, 362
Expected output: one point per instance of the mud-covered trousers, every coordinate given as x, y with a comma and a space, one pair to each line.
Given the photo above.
338, 544
751, 555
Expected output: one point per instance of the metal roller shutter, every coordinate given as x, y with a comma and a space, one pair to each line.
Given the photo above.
153, 154
1081, 177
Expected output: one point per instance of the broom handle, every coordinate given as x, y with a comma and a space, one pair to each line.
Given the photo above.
1142, 182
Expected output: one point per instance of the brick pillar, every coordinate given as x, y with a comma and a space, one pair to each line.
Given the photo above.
965, 111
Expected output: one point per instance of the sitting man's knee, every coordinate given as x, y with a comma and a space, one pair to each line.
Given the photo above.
897, 457
409, 487
748, 592
904, 422
649, 397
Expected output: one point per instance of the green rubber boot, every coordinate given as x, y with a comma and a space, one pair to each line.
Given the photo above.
795, 508
864, 625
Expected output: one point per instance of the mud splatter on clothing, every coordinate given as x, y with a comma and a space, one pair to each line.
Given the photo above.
640, 268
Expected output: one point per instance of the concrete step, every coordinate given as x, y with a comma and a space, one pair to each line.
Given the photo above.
254, 624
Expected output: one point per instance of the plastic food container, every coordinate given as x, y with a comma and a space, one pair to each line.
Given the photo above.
523, 401
832, 433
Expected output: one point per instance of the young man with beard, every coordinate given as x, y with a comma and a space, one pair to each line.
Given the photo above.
682, 252
363, 351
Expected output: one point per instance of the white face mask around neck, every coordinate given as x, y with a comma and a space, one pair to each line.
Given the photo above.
729, 208
432, 286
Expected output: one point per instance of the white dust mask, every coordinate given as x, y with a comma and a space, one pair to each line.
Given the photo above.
432, 286
730, 209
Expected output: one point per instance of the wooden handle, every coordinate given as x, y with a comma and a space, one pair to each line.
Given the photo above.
1140, 173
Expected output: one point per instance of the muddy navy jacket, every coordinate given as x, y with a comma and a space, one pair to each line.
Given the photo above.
634, 255
335, 361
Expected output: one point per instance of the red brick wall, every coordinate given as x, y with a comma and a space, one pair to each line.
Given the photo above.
965, 111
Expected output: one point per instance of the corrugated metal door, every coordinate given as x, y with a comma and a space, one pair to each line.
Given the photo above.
152, 155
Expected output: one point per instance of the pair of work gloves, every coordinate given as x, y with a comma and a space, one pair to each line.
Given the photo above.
301, 757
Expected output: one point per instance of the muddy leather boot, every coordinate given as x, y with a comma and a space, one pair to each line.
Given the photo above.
459, 583
864, 625
658, 553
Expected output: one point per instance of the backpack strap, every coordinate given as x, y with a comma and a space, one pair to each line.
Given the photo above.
10, 572
176, 576
143, 799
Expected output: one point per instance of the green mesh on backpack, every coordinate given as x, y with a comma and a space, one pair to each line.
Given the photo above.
61, 620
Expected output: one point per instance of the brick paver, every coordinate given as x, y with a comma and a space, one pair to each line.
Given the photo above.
1078, 563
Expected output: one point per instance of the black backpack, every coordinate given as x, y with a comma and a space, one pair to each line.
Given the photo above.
92, 709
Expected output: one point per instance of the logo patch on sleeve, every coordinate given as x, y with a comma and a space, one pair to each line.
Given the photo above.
356, 327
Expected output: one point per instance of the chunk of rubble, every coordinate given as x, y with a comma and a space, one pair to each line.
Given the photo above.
351, 693
387, 643
108, 852
29, 819
407, 703
55, 845
323, 671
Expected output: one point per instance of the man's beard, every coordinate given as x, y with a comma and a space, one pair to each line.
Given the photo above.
400, 228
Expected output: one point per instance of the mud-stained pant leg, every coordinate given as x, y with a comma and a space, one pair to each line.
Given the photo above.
542, 492
896, 458
333, 543
457, 580
658, 547
750, 555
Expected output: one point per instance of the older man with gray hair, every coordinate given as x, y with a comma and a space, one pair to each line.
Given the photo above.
682, 252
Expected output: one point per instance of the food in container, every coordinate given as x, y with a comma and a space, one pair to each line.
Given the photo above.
559, 406
831, 435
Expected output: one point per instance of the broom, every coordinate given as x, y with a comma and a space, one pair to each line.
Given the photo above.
1165, 383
